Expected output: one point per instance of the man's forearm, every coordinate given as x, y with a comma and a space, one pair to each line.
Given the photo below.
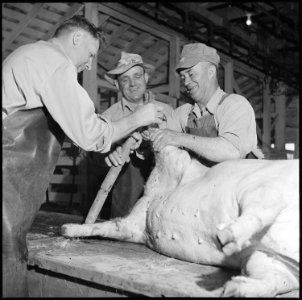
125, 126
215, 149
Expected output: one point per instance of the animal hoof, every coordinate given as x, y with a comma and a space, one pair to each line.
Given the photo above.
231, 289
70, 230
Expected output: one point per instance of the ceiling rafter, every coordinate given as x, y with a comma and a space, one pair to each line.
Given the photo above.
23, 23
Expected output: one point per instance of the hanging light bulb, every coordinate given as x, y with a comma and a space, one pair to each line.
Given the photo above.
248, 20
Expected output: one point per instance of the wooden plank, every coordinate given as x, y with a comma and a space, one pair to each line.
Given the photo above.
90, 76
104, 83
23, 23
160, 89
129, 16
64, 179
266, 135
75, 8
174, 80
137, 42
166, 99
236, 87
125, 266
131, 267
117, 33
154, 49
67, 161
280, 125
228, 77
63, 197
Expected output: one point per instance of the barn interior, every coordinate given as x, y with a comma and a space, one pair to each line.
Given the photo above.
259, 61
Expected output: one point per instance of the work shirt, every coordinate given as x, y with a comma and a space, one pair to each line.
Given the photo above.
124, 108
129, 186
41, 74
234, 120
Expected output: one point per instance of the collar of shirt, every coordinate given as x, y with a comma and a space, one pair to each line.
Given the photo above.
211, 106
213, 103
131, 106
56, 42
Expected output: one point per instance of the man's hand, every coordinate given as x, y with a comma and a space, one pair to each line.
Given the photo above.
149, 113
162, 137
115, 158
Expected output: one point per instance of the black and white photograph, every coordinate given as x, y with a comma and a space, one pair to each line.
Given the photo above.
150, 149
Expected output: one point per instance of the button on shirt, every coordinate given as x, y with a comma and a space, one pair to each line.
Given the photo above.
234, 119
41, 74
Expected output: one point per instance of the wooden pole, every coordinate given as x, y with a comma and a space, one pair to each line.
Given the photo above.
228, 77
280, 124
266, 117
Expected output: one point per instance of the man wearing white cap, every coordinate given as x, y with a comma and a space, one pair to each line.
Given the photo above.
130, 77
219, 126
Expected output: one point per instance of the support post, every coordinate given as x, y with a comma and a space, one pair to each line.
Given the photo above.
280, 124
174, 52
228, 77
91, 86
266, 118
296, 153
90, 77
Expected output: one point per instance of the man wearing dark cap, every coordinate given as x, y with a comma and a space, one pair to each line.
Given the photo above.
130, 77
219, 126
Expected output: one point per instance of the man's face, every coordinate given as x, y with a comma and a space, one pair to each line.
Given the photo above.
196, 80
85, 51
133, 83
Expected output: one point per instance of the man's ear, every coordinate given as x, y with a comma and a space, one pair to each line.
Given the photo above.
77, 37
146, 77
116, 84
211, 71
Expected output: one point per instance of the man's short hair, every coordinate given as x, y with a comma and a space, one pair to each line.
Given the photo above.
80, 22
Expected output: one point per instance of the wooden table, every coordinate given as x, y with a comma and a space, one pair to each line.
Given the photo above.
96, 267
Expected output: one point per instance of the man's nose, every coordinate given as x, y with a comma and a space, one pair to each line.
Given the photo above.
88, 66
186, 81
131, 81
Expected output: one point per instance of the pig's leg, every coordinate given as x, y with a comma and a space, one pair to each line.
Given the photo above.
258, 208
266, 276
130, 228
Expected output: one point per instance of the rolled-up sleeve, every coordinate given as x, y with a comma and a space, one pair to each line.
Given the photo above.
71, 107
237, 124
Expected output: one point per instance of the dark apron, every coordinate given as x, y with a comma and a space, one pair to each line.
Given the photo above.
31, 145
204, 126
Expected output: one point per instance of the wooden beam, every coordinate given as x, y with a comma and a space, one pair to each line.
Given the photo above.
117, 33
280, 125
266, 119
137, 20
228, 77
236, 87
137, 42
160, 89
75, 8
166, 99
105, 84
154, 49
90, 77
129, 16
174, 80
248, 89
23, 23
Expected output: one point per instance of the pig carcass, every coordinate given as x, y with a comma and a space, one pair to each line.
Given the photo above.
240, 214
